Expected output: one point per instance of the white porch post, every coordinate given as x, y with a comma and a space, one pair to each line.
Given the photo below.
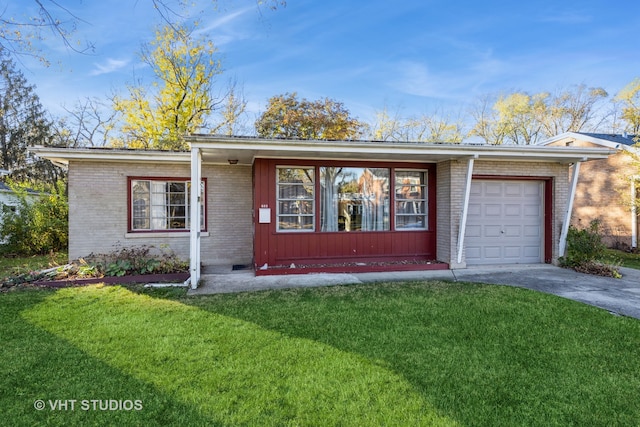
567, 217
465, 208
196, 207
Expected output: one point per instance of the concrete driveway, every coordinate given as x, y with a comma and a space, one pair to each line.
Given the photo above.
618, 296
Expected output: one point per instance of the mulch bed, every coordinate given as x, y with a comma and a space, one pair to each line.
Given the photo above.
124, 280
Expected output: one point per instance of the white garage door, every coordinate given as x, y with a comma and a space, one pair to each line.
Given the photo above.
505, 222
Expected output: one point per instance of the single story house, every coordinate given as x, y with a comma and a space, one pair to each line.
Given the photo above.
607, 187
285, 206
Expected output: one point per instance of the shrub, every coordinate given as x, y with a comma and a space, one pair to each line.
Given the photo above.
585, 250
37, 226
138, 260
583, 245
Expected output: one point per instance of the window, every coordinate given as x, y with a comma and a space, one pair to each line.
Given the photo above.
354, 199
158, 205
351, 198
411, 200
296, 199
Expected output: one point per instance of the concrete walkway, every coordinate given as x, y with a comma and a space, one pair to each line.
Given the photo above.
619, 296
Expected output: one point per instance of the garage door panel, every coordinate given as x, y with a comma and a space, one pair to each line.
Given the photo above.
492, 252
492, 189
532, 252
493, 210
531, 210
473, 252
505, 222
533, 190
512, 252
492, 231
512, 210
512, 231
533, 231
512, 190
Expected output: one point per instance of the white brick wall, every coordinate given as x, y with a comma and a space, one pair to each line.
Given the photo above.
98, 211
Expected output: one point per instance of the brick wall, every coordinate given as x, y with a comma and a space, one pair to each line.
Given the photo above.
603, 193
98, 211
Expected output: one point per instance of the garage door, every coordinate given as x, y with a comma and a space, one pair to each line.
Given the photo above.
505, 222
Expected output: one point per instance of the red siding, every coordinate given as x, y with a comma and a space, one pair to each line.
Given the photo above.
284, 248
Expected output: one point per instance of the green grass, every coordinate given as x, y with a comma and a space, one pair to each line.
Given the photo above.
624, 259
424, 353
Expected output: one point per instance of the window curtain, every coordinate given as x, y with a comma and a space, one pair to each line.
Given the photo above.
373, 201
329, 195
158, 205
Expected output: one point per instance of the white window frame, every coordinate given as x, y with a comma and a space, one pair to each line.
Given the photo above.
425, 198
312, 200
163, 204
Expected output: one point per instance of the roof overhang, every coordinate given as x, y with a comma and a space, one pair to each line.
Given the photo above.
63, 156
244, 150
217, 149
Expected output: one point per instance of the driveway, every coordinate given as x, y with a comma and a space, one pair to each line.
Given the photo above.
618, 296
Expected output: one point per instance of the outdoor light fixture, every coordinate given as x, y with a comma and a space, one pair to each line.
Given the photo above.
233, 161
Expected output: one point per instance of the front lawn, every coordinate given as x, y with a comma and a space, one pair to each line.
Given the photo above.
423, 353
624, 259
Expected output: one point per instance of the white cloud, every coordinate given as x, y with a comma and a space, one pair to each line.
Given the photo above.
225, 20
109, 67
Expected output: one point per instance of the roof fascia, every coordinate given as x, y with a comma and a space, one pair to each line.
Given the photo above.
65, 155
531, 152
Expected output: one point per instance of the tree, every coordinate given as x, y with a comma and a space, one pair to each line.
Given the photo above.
231, 112
180, 100
520, 115
324, 119
435, 127
514, 119
39, 224
574, 110
629, 97
520, 118
22, 119
21, 36
23, 123
487, 126
89, 122
388, 127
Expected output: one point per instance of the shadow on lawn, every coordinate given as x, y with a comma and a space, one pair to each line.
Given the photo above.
480, 354
38, 365
231, 370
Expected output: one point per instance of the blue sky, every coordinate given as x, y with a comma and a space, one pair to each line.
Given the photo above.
417, 56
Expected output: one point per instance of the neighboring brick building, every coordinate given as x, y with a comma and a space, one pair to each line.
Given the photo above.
323, 205
606, 187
